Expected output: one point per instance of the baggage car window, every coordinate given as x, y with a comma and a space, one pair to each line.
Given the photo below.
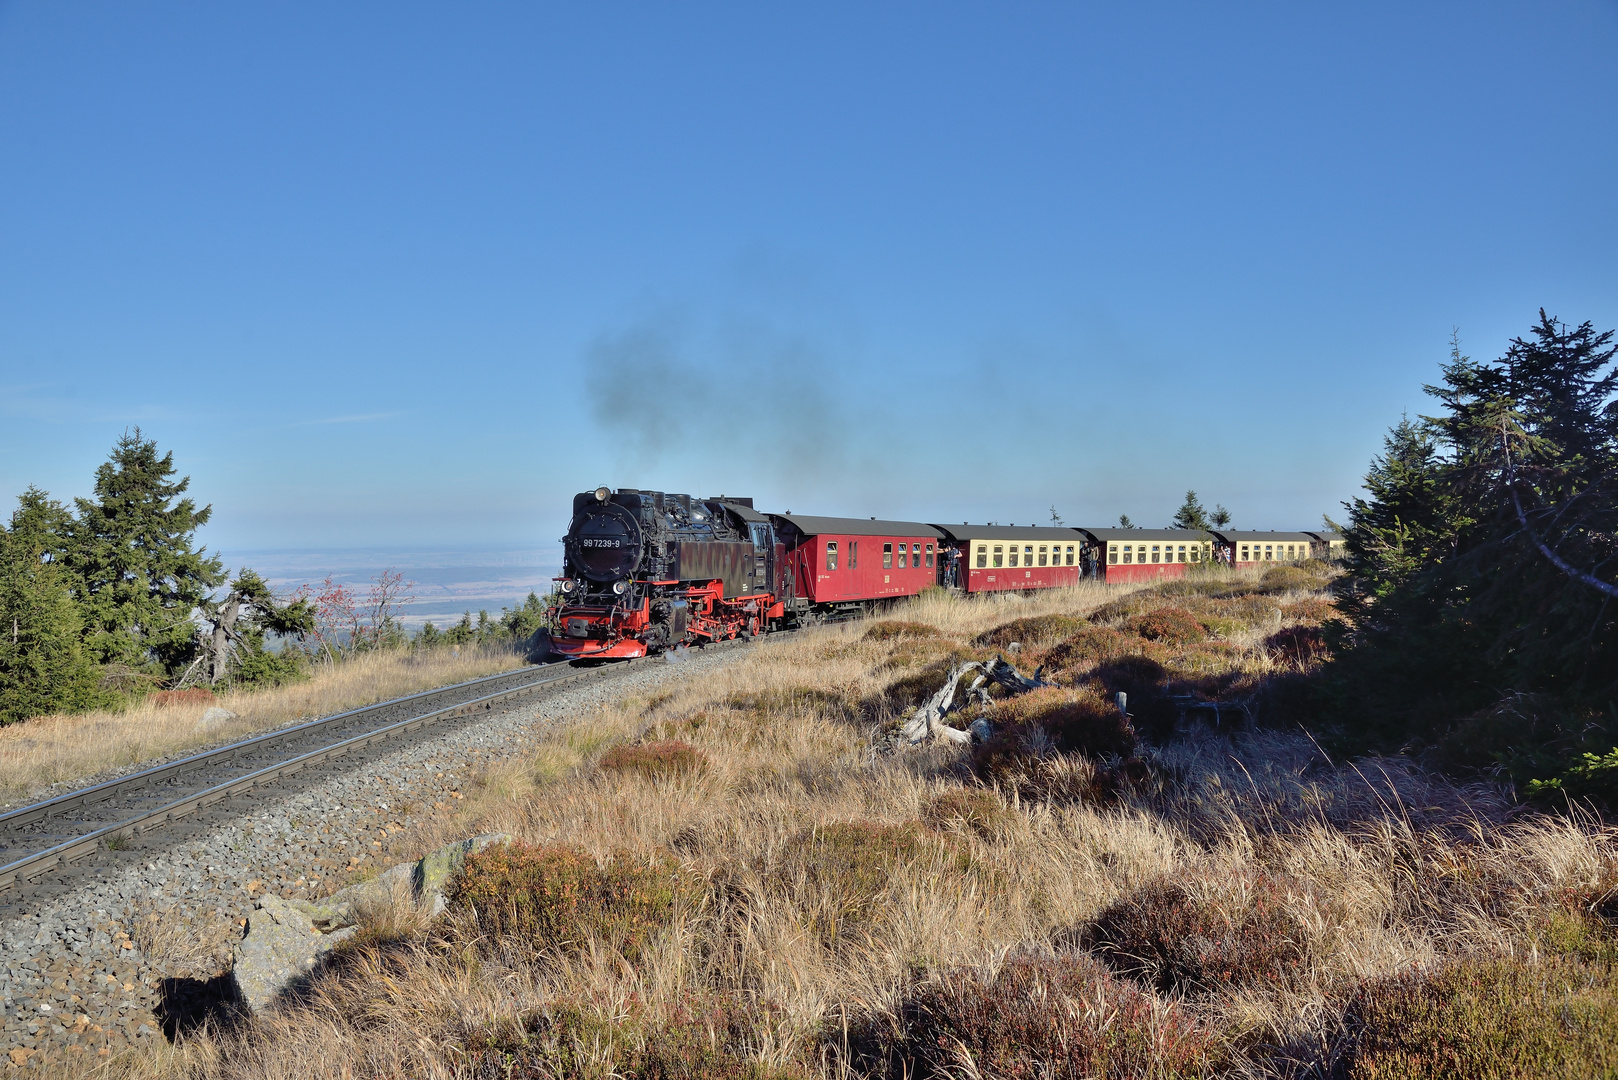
887, 556
853, 554
831, 555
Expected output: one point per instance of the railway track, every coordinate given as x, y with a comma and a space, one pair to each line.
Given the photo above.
49, 835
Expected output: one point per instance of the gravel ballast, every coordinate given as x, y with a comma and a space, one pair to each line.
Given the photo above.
142, 936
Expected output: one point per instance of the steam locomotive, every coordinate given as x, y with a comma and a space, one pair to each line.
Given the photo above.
645, 571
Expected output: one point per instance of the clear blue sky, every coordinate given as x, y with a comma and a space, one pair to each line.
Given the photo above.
401, 273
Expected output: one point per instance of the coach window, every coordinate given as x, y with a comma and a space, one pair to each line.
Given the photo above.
831, 555
1154, 552
1013, 554
1128, 553
1196, 553
915, 555
1112, 553
1043, 552
983, 556
999, 556
1182, 553
853, 554
902, 562
1070, 554
1028, 555
1244, 557
1269, 552
929, 554
887, 556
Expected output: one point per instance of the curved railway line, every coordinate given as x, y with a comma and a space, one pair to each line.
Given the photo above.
46, 836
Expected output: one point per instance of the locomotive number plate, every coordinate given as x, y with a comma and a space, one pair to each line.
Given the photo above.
601, 543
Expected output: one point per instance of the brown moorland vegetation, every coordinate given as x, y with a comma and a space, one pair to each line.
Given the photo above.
1080, 897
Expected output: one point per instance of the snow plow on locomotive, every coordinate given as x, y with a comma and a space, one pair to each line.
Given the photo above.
645, 570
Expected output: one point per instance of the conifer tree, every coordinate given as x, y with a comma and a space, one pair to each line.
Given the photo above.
43, 668
136, 570
1191, 515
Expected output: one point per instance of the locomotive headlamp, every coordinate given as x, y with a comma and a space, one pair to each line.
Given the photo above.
620, 587
602, 493
567, 585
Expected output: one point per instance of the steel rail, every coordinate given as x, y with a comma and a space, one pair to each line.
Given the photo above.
59, 855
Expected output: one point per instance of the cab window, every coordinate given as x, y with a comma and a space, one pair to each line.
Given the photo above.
831, 554
887, 556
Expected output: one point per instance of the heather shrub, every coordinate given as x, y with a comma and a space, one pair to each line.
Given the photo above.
1090, 646
843, 868
560, 896
1052, 1017
975, 809
890, 629
1283, 578
1172, 626
655, 761
1311, 610
1034, 630
195, 695
1486, 1018
1073, 721
1183, 934
1302, 646
703, 1036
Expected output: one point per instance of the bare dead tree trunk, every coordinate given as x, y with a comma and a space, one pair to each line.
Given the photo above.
927, 722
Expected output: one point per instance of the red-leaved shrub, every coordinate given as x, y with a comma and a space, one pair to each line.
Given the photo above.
671, 757
1172, 626
195, 695
1044, 1016
1179, 934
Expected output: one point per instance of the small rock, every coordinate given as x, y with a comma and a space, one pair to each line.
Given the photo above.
214, 717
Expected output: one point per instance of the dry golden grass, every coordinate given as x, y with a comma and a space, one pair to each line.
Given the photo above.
62, 749
831, 895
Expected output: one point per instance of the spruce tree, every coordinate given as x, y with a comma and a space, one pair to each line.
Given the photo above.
132, 554
43, 668
1191, 515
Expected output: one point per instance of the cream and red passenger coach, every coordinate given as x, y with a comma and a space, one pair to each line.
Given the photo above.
995, 558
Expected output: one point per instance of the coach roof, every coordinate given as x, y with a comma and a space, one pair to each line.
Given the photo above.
1104, 535
835, 526
1245, 536
1010, 532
